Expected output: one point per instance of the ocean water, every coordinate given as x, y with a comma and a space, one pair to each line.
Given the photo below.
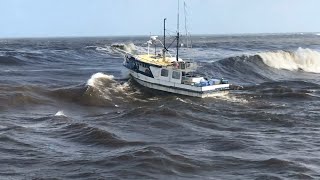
68, 110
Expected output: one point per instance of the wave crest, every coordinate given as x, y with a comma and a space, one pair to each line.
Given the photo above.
129, 48
95, 79
60, 114
104, 86
302, 59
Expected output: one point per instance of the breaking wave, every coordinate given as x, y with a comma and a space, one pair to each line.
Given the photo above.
100, 90
60, 114
265, 66
129, 47
302, 59
106, 87
94, 80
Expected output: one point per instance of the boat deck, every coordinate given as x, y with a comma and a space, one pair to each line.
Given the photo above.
151, 59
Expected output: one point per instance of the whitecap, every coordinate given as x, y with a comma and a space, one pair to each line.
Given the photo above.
98, 76
60, 114
302, 59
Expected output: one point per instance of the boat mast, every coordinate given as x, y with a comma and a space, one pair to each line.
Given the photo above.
164, 39
164, 33
177, 56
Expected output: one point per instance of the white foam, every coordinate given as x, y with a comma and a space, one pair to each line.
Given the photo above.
130, 48
95, 77
305, 59
184, 101
110, 89
122, 87
107, 49
231, 98
60, 114
87, 47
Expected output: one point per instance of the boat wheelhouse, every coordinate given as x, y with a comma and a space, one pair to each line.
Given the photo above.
166, 74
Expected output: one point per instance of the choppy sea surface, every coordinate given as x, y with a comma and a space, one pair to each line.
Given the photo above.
68, 110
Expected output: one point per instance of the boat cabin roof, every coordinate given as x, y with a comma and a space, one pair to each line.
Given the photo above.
156, 60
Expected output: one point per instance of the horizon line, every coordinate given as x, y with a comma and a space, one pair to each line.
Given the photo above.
139, 35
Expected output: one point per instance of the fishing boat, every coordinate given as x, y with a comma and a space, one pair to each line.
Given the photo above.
164, 72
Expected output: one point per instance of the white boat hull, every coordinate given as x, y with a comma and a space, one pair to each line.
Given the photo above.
147, 82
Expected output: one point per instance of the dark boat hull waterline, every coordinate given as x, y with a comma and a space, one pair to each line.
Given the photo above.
68, 110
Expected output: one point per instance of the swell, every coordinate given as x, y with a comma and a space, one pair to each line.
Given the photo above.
270, 166
267, 66
286, 89
11, 61
100, 90
23, 95
85, 134
147, 162
241, 69
103, 90
171, 117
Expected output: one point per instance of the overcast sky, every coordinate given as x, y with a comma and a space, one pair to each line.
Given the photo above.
43, 18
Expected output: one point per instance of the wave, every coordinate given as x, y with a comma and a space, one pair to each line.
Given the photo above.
91, 47
130, 48
302, 59
106, 87
60, 114
94, 80
83, 133
102, 49
239, 69
10, 60
285, 89
100, 90
15, 96
266, 67
154, 158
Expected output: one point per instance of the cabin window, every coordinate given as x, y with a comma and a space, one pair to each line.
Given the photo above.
164, 72
176, 75
182, 65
